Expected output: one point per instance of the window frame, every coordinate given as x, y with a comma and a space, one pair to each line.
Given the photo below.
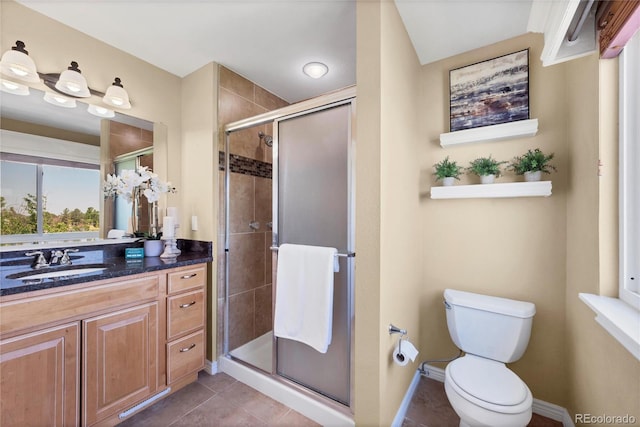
629, 178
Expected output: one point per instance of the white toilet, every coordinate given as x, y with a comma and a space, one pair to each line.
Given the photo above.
491, 331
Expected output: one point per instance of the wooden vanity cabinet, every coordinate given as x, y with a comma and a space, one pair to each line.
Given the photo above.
135, 336
39, 375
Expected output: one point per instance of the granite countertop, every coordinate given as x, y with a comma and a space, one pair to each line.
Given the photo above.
13, 263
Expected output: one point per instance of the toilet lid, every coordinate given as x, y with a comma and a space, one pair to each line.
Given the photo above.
488, 381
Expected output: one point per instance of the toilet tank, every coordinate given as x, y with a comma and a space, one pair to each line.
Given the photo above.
487, 326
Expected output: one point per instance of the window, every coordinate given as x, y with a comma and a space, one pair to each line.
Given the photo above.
630, 173
43, 201
49, 188
620, 317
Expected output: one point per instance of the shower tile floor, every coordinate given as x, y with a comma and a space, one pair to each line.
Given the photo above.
220, 400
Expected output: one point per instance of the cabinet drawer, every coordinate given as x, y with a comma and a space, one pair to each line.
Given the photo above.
185, 312
188, 278
185, 356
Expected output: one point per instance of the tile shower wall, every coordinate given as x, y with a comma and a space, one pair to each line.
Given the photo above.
250, 307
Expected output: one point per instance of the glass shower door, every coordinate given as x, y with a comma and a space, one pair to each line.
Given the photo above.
314, 206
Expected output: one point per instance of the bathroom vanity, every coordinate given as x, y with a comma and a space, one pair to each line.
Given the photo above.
87, 349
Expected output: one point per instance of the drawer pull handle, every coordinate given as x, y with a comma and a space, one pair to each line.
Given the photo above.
184, 350
189, 304
189, 276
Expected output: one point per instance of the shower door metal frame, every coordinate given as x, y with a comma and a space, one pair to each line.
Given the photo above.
341, 97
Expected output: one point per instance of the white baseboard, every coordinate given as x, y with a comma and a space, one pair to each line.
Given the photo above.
434, 373
540, 407
404, 405
555, 412
210, 367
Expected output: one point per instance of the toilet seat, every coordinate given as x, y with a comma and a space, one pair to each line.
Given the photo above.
488, 384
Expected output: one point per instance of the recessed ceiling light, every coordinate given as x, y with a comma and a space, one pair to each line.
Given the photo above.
315, 69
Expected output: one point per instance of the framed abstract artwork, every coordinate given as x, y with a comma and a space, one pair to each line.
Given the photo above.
490, 92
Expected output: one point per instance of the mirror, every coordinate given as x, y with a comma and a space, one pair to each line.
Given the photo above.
60, 156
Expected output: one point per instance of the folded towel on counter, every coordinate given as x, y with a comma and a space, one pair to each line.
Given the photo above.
304, 294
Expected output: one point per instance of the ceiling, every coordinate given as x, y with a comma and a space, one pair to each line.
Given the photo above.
268, 41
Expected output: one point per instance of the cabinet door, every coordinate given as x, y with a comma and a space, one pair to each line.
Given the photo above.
120, 361
39, 374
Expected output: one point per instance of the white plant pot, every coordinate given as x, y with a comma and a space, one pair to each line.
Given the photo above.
533, 176
153, 247
487, 179
448, 181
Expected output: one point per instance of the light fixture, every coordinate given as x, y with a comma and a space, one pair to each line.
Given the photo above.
100, 111
116, 96
315, 69
13, 87
16, 63
73, 83
59, 100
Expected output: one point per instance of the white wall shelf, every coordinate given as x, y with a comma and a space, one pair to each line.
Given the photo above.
511, 130
485, 191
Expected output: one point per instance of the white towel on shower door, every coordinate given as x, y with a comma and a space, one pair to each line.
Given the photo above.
304, 294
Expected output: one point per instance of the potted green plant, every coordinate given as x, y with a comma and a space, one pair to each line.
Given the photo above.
532, 164
487, 168
446, 171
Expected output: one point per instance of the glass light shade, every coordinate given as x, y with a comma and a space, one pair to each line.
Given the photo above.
59, 100
16, 63
116, 96
13, 87
100, 111
73, 83
315, 69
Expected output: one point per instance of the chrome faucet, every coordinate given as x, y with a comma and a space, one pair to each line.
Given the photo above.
40, 261
55, 257
58, 257
66, 260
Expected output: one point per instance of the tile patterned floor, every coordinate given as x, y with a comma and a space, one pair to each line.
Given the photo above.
430, 408
220, 400
217, 400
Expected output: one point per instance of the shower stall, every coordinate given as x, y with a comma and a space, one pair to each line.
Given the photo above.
310, 189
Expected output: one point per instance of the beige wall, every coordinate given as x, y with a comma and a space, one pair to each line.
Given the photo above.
389, 257
199, 171
367, 387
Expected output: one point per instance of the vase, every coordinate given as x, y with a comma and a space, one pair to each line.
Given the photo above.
135, 212
532, 176
487, 179
153, 247
448, 181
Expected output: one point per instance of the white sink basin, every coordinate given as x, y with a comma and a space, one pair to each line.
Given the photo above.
72, 270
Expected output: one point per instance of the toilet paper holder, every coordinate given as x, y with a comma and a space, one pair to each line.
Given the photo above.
395, 330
